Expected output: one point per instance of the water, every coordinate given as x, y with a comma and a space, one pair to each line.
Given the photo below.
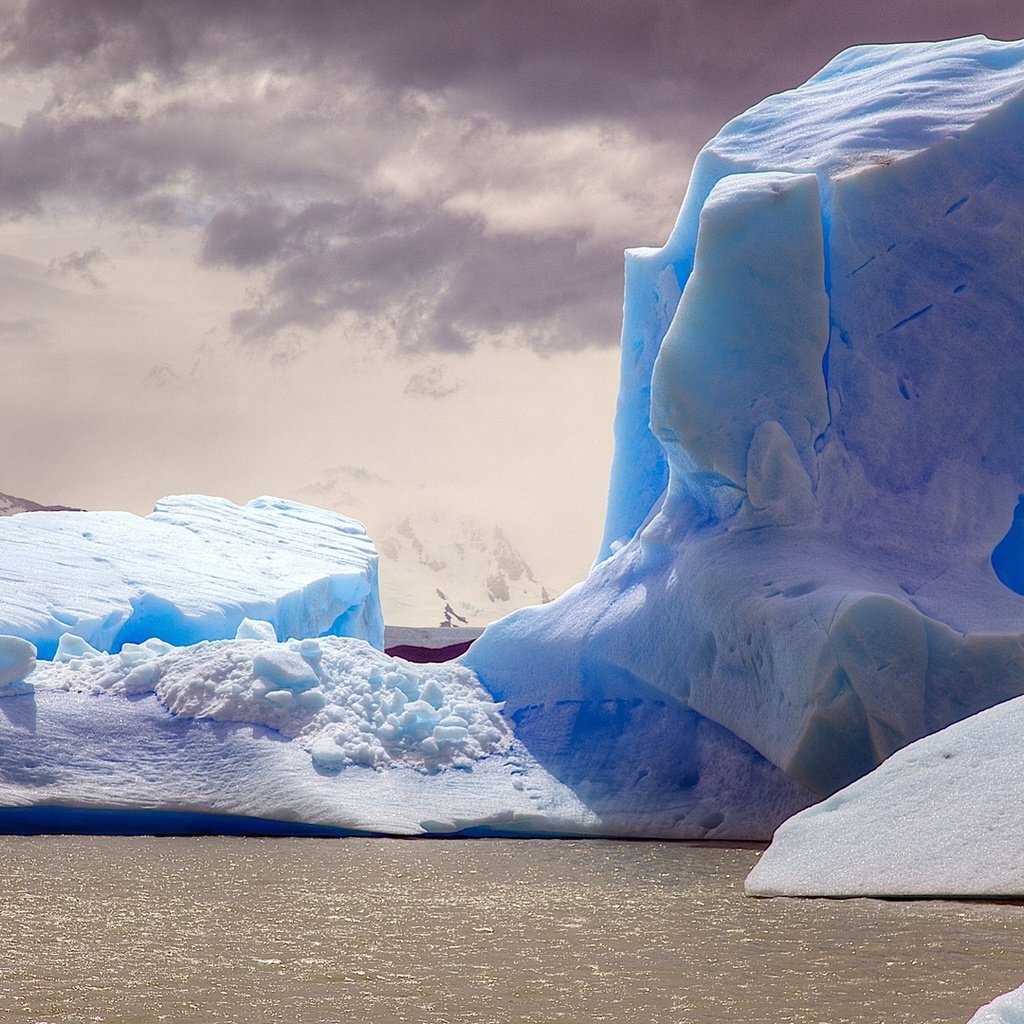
140, 930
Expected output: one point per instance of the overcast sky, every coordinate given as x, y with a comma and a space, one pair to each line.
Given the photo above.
364, 254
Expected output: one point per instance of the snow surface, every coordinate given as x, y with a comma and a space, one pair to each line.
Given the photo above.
338, 698
1007, 1009
813, 533
190, 571
942, 817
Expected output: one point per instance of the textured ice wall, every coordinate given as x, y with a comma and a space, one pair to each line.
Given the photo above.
190, 571
826, 356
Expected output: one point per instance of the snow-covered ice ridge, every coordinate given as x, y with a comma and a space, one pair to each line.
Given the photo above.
815, 530
339, 699
324, 732
190, 571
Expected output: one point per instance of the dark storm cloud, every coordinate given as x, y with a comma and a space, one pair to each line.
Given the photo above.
442, 280
558, 59
282, 184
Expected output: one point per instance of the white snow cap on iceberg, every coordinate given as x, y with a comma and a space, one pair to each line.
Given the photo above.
192, 570
340, 699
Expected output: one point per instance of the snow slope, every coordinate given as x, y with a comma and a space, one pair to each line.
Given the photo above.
448, 570
191, 570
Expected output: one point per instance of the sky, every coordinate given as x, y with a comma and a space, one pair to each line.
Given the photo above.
364, 254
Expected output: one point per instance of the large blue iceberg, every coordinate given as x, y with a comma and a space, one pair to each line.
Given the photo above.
814, 533
814, 551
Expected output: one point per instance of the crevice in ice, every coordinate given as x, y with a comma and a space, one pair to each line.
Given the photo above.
1008, 555
858, 269
913, 316
825, 203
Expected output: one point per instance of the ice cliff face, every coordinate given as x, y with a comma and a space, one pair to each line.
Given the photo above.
813, 533
190, 571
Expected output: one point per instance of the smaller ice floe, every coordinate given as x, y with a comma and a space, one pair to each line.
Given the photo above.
192, 570
1007, 1009
338, 698
942, 817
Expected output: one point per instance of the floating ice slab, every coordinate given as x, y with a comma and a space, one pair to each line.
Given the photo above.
813, 535
942, 817
190, 571
319, 732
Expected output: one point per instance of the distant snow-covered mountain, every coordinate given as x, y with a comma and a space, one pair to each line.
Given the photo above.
10, 505
436, 569
451, 571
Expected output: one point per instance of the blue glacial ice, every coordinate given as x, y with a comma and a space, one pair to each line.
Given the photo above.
190, 571
814, 549
814, 532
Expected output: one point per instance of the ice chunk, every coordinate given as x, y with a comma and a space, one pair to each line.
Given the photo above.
70, 646
17, 659
255, 629
942, 817
285, 668
1006, 1009
194, 569
820, 355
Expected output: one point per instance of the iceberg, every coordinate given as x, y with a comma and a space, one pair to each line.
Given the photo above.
322, 736
190, 571
813, 556
1006, 1009
815, 527
943, 818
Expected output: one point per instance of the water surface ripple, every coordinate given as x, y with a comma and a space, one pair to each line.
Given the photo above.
143, 930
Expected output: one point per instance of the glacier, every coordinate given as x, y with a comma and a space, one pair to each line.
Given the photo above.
189, 571
813, 553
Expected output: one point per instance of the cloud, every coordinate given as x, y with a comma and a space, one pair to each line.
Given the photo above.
81, 265
24, 331
430, 382
335, 486
432, 176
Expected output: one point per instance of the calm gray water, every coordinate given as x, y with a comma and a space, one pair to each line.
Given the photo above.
253, 930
